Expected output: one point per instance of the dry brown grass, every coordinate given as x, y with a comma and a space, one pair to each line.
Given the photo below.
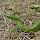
28, 17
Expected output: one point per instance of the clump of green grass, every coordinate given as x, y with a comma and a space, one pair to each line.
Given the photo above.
37, 8
15, 10
10, 30
29, 15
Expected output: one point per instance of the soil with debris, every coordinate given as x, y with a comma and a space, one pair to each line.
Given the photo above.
9, 30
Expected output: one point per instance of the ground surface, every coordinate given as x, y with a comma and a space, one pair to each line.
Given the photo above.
25, 12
